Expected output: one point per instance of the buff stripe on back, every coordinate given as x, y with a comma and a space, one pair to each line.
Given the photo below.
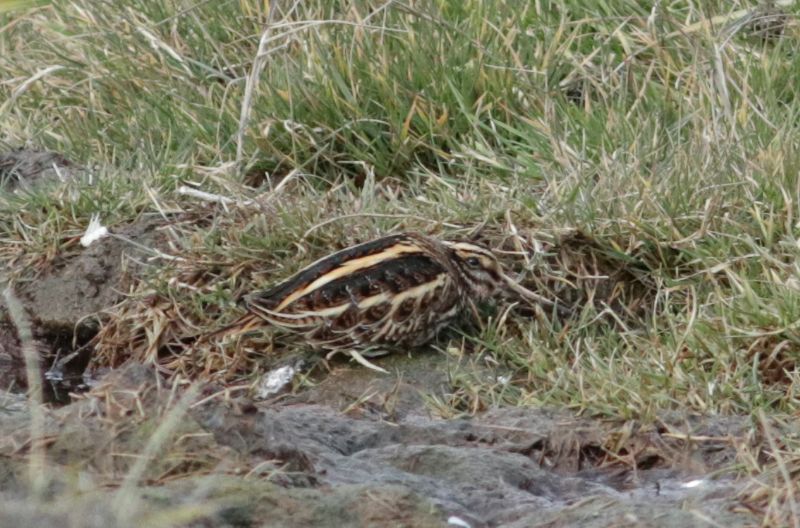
348, 267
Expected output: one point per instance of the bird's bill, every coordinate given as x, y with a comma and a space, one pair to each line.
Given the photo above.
528, 295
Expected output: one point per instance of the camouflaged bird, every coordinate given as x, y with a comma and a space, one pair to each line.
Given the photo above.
395, 291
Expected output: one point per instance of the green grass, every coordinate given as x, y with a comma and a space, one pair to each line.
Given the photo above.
657, 147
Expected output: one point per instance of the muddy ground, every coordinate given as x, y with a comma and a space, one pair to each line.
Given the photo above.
353, 448
302, 462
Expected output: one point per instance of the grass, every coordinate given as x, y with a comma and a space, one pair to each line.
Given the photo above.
640, 163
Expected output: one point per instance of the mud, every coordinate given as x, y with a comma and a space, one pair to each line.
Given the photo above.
64, 304
25, 169
80, 286
283, 463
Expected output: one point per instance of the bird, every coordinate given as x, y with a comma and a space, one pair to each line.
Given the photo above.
396, 291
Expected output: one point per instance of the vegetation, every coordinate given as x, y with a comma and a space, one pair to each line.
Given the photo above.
640, 163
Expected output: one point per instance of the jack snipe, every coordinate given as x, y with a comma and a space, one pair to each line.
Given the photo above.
399, 290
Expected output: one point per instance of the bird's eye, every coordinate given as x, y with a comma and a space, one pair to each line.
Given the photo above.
473, 262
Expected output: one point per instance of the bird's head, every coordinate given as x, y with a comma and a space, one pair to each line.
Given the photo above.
478, 267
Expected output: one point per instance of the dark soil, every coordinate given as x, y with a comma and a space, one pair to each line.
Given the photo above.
313, 465
25, 169
65, 303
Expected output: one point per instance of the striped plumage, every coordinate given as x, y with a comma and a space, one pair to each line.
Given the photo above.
396, 290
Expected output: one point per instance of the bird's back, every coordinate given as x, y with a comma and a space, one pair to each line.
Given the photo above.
393, 290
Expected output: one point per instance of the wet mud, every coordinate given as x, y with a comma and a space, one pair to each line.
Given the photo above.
313, 464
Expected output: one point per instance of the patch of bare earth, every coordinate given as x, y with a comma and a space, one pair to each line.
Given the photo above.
65, 304
24, 169
311, 464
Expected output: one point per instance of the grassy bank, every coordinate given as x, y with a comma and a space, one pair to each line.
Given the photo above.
640, 164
